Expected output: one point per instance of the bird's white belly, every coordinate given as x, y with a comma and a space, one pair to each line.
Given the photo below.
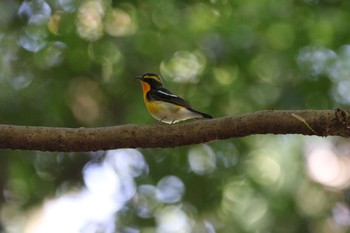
170, 113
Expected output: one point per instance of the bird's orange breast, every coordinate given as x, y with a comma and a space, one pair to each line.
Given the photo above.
145, 87
152, 107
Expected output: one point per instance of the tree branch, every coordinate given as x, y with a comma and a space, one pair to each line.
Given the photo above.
308, 122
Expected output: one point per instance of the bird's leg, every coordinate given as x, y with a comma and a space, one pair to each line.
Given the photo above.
161, 120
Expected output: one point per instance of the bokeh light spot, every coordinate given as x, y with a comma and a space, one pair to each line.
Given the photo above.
88, 209
37, 11
120, 23
21, 81
264, 169
310, 200
170, 189
127, 162
30, 44
202, 159
171, 219
89, 22
325, 166
51, 55
85, 99
225, 76
67, 5
243, 204
145, 201
184, 66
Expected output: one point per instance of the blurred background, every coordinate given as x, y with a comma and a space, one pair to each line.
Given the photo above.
73, 63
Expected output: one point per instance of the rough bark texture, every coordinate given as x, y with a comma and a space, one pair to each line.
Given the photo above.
306, 122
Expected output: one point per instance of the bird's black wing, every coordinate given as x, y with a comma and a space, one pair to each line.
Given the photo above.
162, 94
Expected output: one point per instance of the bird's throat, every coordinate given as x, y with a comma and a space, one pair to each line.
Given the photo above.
146, 87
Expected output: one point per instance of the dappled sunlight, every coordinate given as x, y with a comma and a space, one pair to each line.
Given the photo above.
320, 61
277, 169
326, 166
51, 55
86, 100
243, 204
94, 20
127, 162
171, 219
90, 20
202, 159
258, 93
38, 13
184, 66
209, 16
73, 213
327, 162
149, 198
145, 201
120, 23
316, 60
31, 44
67, 5
273, 167
108, 186
311, 200
109, 56
341, 214
54, 22
341, 91
265, 169
170, 189
266, 67
226, 75
21, 81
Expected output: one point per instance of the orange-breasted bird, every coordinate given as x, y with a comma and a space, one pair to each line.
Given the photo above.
163, 105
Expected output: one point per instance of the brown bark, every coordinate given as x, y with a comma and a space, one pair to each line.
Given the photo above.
306, 122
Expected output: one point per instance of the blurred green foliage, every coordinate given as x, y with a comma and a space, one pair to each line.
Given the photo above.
73, 63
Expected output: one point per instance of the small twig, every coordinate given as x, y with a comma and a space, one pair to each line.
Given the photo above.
303, 120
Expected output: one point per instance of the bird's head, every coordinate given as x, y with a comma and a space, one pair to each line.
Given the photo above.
153, 80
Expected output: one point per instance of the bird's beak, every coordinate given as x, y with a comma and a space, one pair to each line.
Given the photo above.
139, 78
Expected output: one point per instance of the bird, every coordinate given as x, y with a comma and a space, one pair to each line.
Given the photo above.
164, 105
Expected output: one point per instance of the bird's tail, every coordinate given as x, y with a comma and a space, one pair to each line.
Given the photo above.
204, 115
